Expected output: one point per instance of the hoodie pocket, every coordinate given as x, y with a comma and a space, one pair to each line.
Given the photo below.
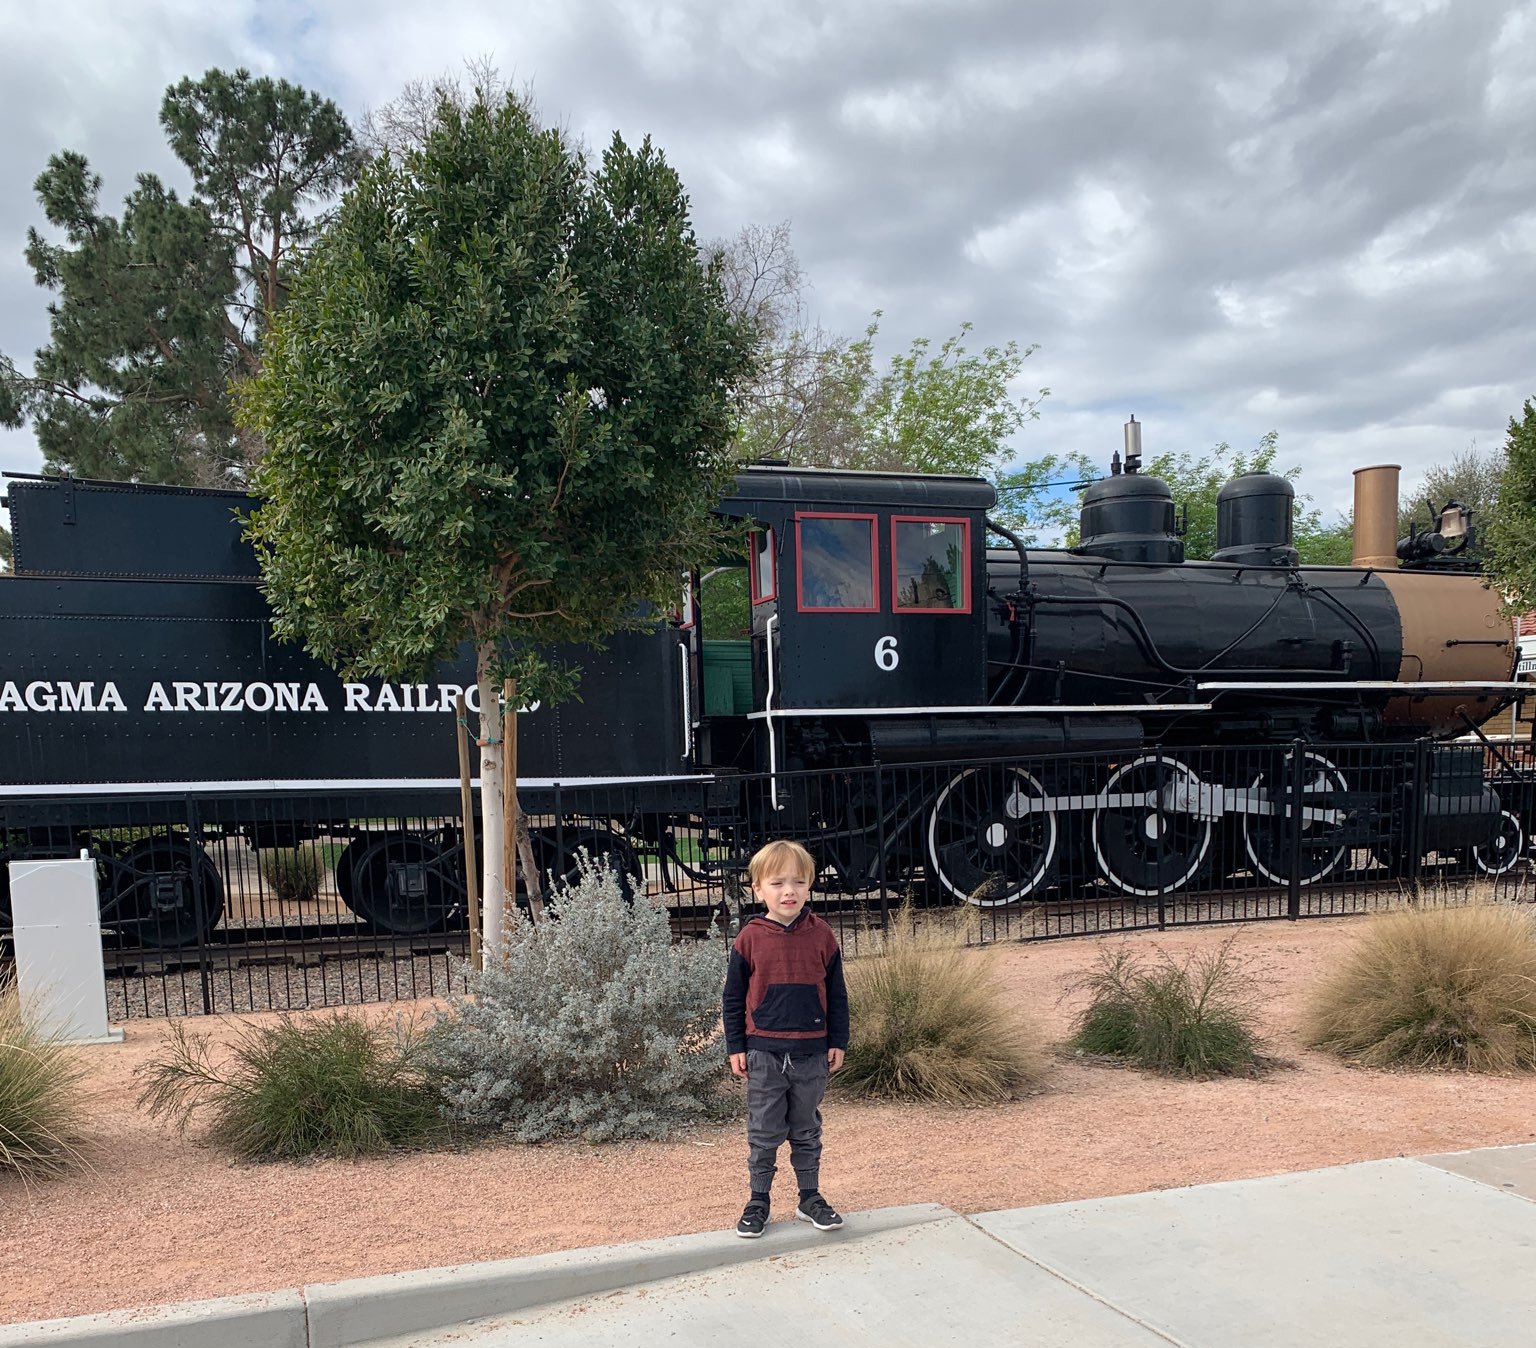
789, 1008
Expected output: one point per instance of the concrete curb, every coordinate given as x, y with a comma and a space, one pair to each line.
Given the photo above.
393, 1305
261, 1320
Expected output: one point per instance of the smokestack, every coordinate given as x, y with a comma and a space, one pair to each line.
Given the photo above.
1376, 516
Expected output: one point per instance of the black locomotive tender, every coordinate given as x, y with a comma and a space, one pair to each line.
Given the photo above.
1071, 689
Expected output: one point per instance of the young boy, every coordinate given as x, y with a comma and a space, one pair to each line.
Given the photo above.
786, 1028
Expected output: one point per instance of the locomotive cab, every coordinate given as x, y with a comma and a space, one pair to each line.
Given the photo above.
866, 593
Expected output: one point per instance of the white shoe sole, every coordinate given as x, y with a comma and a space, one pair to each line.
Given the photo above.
806, 1217
750, 1235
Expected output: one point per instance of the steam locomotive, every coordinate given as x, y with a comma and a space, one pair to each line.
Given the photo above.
1070, 705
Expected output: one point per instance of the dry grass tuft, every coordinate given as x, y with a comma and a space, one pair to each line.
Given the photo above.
931, 1020
42, 1113
1192, 1018
1435, 988
295, 874
338, 1084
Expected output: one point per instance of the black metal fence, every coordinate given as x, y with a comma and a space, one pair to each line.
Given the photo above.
222, 902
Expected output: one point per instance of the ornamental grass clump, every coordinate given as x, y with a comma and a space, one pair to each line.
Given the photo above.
307, 1085
42, 1114
1433, 988
293, 873
594, 1025
931, 1021
1190, 1018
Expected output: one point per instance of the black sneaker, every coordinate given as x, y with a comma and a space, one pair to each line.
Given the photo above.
818, 1212
754, 1219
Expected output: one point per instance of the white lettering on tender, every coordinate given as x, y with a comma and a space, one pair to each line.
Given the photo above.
189, 696
157, 700
77, 697
44, 695
258, 697
357, 696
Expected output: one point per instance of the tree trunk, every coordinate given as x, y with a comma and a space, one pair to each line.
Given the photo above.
494, 887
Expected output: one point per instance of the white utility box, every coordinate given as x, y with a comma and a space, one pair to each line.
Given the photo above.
59, 969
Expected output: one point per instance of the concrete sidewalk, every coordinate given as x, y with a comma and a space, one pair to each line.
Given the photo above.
1440, 1250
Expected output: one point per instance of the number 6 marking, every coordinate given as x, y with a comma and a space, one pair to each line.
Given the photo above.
887, 657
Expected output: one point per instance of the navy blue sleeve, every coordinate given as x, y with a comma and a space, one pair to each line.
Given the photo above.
734, 1003
837, 1003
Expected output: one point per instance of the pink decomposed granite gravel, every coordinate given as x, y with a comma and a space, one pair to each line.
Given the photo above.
162, 1218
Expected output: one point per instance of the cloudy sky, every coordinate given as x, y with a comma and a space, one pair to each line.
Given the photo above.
1317, 217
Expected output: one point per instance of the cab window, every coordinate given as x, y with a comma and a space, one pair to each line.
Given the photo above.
760, 562
930, 564
835, 555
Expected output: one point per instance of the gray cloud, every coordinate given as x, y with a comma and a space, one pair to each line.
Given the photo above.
1318, 218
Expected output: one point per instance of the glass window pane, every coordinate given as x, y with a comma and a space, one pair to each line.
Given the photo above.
762, 566
837, 568
930, 559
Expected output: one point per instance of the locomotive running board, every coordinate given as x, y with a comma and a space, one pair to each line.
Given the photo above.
1141, 708
328, 786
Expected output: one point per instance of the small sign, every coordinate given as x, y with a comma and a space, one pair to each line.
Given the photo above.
1527, 665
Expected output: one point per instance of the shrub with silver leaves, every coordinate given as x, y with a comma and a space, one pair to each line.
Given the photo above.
596, 1025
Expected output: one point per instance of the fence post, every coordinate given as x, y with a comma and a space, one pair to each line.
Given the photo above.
560, 829
880, 841
1162, 888
1295, 795
1417, 799
199, 904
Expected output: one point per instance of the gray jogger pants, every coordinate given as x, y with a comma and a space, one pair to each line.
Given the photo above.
783, 1101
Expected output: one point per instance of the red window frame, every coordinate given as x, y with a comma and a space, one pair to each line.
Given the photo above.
773, 567
874, 560
965, 572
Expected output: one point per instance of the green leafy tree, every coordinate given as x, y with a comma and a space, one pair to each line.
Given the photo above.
1035, 497
822, 400
497, 409
10, 415
1471, 479
158, 311
1511, 536
1320, 544
932, 409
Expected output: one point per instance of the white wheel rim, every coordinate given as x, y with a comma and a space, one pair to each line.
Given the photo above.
1107, 871
1020, 891
1513, 827
1339, 784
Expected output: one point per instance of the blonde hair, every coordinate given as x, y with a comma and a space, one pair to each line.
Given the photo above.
776, 858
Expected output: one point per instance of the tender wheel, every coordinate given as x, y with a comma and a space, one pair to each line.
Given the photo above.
1267, 837
155, 899
1143, 845
988, 841
1500, 853
397, 884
